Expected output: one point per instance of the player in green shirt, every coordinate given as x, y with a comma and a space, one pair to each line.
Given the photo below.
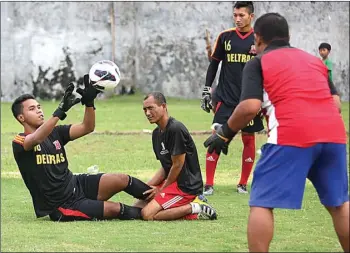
324, 50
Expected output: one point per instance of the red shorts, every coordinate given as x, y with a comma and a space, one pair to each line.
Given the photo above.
172, 197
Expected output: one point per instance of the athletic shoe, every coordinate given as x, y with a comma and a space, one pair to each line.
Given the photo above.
242, 188
208, 190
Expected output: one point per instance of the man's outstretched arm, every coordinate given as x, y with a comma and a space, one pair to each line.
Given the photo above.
88, 125
45, 129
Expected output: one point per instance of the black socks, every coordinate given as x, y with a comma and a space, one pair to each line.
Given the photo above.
129, 212
136, 188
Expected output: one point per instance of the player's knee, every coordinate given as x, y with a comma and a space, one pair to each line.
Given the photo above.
121, 177
147, 214
111, 210
334, 210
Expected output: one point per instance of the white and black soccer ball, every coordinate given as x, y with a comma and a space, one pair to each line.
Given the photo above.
104, 75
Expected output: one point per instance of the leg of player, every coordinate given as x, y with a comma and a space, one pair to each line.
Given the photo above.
329, 175
112, 183
340, 217
278, 182
196, 209
248, 157
211, 162
260, 229
114, 210
221, 115
82, 208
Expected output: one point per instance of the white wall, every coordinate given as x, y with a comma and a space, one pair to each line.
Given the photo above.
159, 45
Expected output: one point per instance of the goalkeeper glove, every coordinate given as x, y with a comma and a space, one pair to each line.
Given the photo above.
67, 102
89, 93
206, 103
220, 139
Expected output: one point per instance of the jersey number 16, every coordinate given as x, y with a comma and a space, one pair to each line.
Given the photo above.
227, 45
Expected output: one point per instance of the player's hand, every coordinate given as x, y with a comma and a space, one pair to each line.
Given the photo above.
89, 93
151, 192
67, 102
206, 103
220, 139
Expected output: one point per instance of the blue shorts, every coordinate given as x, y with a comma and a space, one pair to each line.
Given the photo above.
280, 175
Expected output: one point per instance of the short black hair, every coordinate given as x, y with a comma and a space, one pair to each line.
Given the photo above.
325, 45
272, 26
158, 96
17, 106
241, 4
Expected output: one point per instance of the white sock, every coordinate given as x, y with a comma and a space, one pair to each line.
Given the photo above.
196, 208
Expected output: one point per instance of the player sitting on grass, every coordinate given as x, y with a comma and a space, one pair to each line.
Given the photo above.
42, 161
177, 183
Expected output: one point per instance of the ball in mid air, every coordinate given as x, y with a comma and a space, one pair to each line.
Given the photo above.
104, 75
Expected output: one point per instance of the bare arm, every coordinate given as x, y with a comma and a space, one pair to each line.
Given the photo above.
85, 127
45, 129
178, 162
244, 113
40, 134
157, 178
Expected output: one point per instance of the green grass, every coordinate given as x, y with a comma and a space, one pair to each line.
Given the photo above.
309, 229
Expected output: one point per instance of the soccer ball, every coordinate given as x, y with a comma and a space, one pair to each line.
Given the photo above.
104, 75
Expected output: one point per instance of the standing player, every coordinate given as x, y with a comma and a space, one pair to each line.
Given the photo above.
177, 183
233, 48
294, 91
41, 158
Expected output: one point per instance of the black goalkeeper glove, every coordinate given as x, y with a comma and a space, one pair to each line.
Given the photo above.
206, 103
67, 102
220, 139
89, 93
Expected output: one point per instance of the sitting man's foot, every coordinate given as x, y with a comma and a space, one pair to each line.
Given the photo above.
204, 210
208, 190
207, 213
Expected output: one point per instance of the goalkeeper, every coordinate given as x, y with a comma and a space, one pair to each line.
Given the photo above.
41, 158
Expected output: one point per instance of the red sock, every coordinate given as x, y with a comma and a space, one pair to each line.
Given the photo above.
248, 157
191, 216
210, 166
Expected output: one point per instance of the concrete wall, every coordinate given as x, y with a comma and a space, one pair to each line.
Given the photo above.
158, 45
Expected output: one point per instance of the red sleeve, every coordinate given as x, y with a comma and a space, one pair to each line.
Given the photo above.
17, 142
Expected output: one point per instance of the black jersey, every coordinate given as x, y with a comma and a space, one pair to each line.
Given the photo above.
234, 49
44, 170
176, 140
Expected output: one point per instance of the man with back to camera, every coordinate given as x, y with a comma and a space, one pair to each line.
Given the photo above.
233, 48
178, 184
41, 158
295, 92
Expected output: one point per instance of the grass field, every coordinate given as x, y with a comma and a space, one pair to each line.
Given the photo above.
309, 229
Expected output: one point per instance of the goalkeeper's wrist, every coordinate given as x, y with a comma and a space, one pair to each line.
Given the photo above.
90, 104
59, 113
228, 133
